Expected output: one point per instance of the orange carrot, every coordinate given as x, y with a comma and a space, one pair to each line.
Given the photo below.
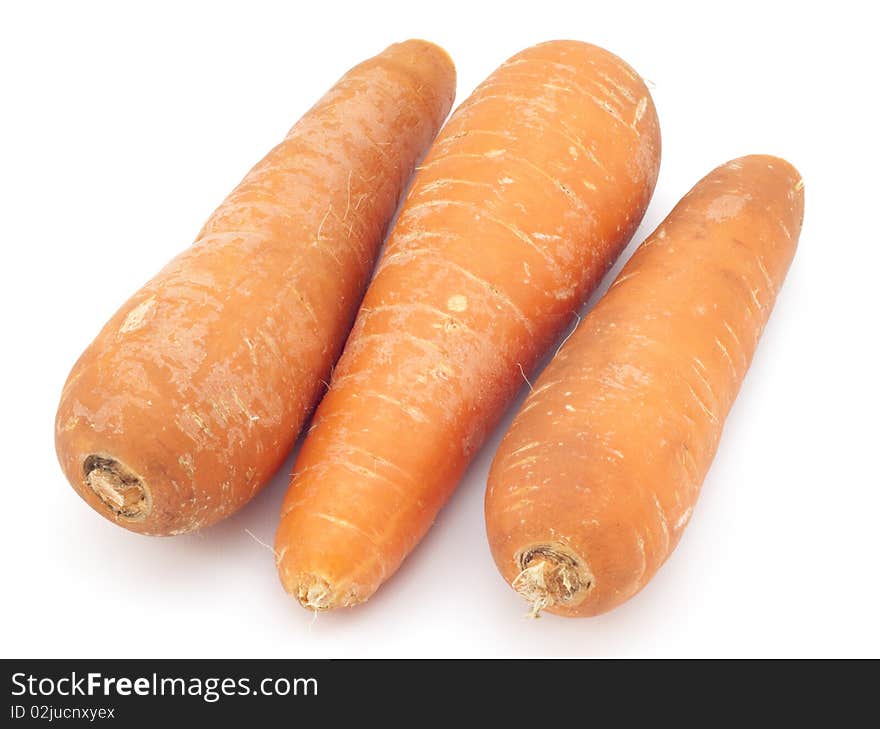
599, 473
193, 393
530, 192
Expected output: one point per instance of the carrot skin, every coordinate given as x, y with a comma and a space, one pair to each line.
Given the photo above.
528, 195
193, 393
594, 483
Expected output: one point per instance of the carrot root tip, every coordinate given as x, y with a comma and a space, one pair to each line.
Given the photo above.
531, 584
119, 488
314, 593
318, 594
551, 574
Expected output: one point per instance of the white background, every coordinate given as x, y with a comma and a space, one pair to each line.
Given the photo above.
122, 128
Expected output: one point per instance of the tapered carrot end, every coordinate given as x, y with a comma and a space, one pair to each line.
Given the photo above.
421, 46
123, 492
323, 561
422, 60
551, 575
779, 175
